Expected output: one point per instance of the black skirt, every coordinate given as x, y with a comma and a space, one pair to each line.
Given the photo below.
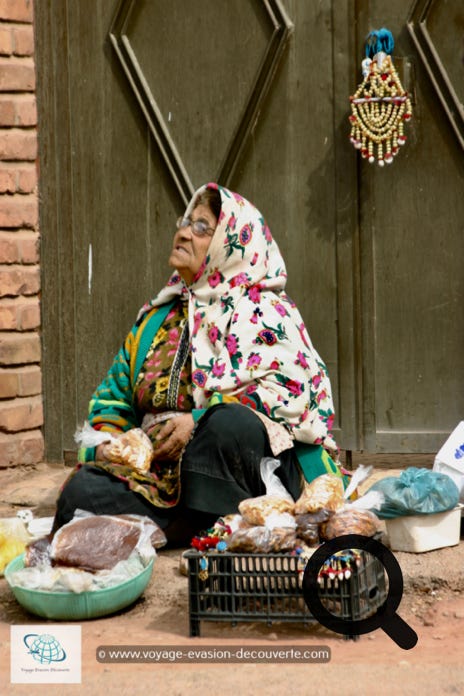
220, 467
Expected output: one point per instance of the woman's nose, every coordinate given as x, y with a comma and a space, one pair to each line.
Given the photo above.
185, 232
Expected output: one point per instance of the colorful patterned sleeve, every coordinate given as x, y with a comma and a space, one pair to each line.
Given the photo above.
111, 407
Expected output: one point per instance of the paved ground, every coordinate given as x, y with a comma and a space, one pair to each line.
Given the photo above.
432, 604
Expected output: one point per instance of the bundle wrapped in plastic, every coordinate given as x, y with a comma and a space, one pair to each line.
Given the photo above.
255, 511
13, 540
307, 525
63, 579
262, 539
133, 448
350, 521
416, 491
90, 552
324, 492
330, 511
277, 499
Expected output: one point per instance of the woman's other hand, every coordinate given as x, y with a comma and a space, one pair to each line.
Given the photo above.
173, 437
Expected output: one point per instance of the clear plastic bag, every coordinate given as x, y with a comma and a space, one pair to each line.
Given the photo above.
133, 448
416, 491
324, 492
277, 499
13, 540
98, 542
307, 525
350, 521
262, 540
91, 547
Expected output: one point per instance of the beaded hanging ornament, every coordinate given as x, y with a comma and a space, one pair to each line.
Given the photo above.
380, 105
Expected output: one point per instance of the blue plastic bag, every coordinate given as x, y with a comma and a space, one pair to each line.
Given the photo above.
416, 492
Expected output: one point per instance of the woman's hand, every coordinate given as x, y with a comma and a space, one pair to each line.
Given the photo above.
173, 437
101, 452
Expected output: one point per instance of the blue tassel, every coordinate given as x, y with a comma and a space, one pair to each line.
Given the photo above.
379, 40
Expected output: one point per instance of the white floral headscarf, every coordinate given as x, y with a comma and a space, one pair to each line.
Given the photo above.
247, 336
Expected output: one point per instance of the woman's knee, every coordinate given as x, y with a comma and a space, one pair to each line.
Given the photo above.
233, 421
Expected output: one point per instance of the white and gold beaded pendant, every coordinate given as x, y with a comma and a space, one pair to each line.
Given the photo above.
379, 109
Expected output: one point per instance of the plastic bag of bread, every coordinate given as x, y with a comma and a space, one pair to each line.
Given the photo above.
251, 540
234, 522
277, 499
255, 511
133, 448
307, 525
262, 540
350, 521
325, 491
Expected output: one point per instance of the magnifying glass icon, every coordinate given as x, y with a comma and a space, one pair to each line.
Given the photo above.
385, 617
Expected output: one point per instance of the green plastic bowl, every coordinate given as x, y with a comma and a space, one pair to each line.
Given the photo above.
78, 606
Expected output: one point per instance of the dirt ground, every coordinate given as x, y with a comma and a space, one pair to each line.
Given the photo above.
433, 605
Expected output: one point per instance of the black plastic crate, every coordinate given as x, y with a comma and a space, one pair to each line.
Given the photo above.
268, 587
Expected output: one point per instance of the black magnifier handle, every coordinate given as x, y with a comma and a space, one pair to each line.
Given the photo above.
399, 631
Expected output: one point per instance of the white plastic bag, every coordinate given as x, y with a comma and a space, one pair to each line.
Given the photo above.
86, 436
274, 485
450, 459
276, 502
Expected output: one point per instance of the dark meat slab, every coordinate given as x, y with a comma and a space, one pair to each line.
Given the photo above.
94, 543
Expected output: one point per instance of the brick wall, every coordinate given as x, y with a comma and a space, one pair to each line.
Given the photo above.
21, 413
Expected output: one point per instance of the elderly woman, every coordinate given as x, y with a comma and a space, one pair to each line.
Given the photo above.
220, 372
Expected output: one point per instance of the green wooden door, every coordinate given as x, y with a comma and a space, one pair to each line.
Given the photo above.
142, 101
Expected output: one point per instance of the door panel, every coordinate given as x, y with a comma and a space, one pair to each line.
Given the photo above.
140, 102
412, 245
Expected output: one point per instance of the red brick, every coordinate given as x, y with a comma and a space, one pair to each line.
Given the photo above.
8, 315
9, 250
29, 244
18, 177
17, 144
25, 110
29, 314
19, 211
19, 280
27, 179
6, 41
19, 348
20, 381
8, 181
19, 247
19, 314
9, 385
21, 448
7, 110
18, 109
21, 414
17, 75
23, 41
29, 381
16, 10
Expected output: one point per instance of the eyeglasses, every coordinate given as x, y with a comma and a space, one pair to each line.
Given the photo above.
199, 227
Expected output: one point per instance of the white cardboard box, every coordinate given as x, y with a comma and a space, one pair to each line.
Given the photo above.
450, 458
419, 533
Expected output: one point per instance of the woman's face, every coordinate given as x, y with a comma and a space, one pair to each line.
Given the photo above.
189, 250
